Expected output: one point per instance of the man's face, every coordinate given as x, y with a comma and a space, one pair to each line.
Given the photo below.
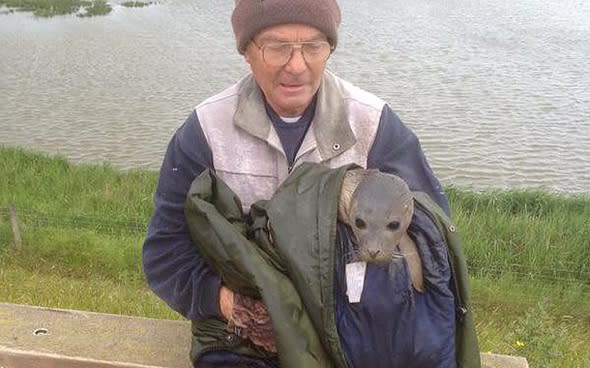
289, 88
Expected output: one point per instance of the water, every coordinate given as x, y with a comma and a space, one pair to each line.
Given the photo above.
497, 91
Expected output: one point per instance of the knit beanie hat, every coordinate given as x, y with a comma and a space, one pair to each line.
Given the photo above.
252, 16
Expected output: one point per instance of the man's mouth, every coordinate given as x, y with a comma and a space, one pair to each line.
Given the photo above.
292, 87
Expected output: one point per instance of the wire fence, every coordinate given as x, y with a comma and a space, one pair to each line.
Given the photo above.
101, 225
528, 285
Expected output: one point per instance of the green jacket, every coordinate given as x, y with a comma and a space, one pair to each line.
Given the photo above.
294, 234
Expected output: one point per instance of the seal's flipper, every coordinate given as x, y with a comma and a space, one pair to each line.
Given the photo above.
410, 252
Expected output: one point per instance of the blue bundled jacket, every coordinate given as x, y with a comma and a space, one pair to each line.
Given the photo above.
300, 277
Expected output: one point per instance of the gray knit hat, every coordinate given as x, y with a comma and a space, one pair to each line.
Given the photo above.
252, 16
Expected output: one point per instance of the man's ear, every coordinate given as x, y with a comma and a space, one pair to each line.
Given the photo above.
247, 56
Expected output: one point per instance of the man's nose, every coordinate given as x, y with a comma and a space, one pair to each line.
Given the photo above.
296, 63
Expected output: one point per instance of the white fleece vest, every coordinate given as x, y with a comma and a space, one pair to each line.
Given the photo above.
247, 152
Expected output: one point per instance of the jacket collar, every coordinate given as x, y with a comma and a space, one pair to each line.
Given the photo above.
331, 130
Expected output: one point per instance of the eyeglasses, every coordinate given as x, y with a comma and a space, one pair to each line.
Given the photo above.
279, 53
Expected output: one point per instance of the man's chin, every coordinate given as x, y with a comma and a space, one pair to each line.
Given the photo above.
292, 105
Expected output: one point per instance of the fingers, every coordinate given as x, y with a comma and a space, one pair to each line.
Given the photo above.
226, 302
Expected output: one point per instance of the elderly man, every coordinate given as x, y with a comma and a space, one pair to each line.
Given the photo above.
289, 110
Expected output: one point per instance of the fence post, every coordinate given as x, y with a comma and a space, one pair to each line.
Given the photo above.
14, 223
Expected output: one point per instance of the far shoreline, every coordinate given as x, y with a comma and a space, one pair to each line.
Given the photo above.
52, 8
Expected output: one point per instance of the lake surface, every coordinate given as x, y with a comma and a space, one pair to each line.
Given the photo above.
497, 91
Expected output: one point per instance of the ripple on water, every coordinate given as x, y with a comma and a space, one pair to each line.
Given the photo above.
497, 91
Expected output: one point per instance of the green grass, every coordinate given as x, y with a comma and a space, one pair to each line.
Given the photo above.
528, 253
548, 323
534, 235
56, 190
100, 294
95, 7
83, 226
50, 8
135, 4
82, 8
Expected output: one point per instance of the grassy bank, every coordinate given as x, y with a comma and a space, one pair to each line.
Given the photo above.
82, 8
83, 225
534, 235
82, 228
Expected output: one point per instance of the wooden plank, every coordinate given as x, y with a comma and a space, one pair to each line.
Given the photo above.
58, 338
489, 360
67, 338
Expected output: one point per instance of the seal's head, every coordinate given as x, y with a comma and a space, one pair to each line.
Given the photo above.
381, 209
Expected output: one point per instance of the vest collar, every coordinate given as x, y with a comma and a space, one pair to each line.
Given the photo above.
331, 130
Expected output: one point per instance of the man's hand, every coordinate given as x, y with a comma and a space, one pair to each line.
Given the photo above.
248, 318
226, 302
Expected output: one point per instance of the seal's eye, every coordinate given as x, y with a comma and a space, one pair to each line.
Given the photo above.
360, 223
394, 225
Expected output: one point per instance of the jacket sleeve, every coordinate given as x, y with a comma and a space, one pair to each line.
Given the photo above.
173, 268
396, 150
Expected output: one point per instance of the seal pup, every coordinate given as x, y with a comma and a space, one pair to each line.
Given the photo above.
379, 208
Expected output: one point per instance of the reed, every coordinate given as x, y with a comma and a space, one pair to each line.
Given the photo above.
83, 225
